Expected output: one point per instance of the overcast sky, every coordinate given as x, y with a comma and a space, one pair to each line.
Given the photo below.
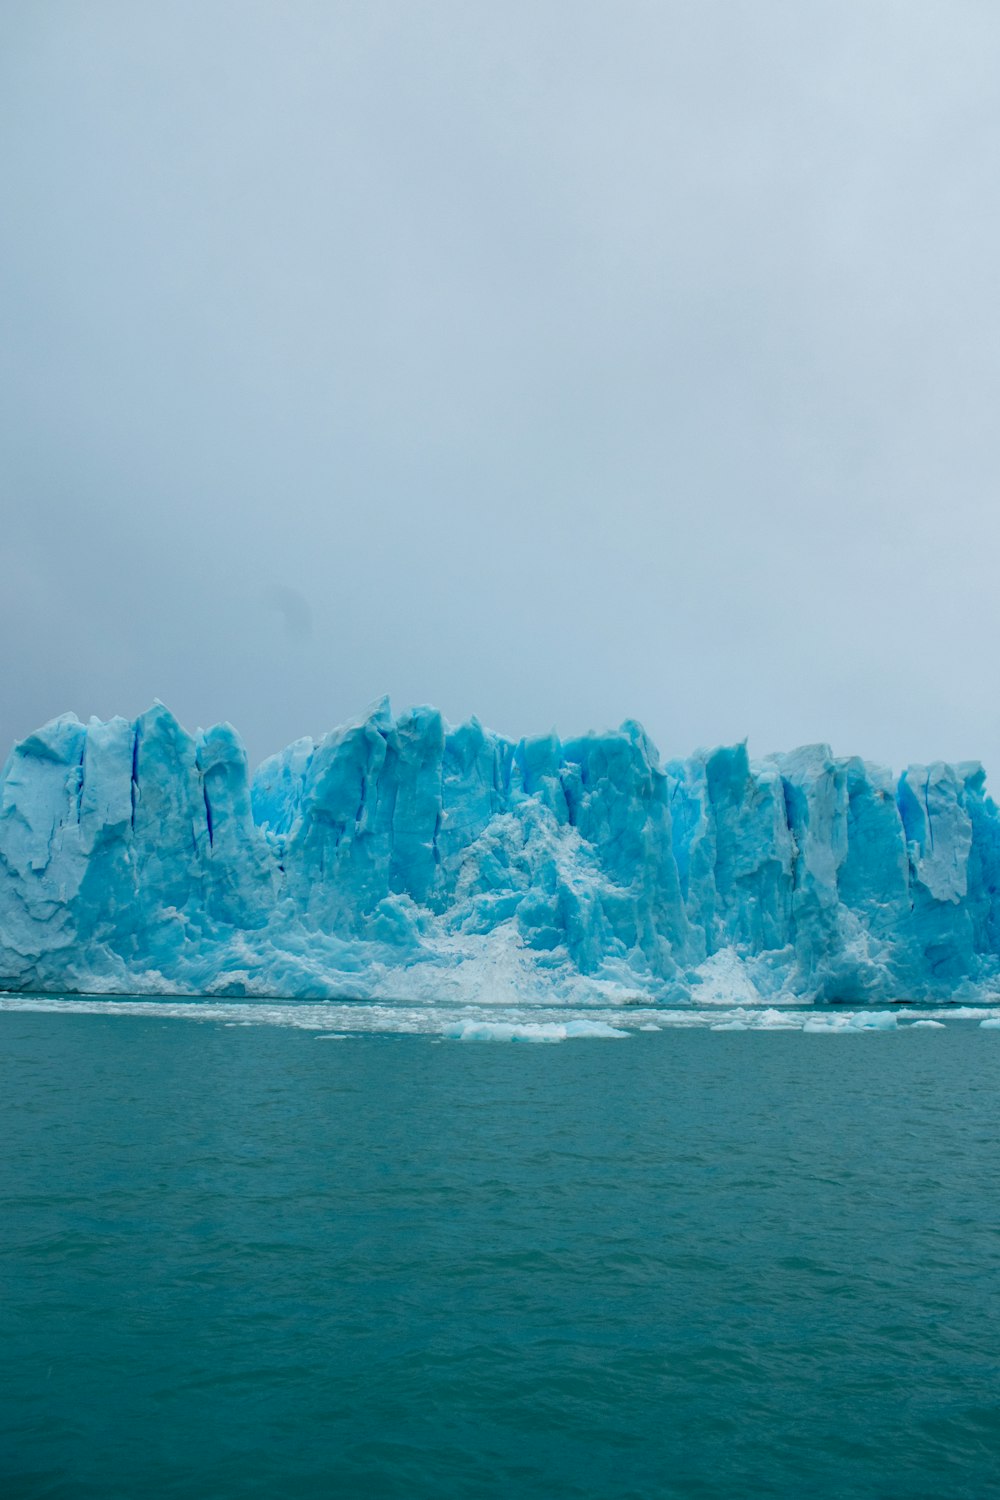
557, 362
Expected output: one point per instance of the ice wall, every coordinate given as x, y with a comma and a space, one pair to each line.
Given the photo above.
406, 857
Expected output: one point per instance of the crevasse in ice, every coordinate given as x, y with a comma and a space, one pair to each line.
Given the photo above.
406, 858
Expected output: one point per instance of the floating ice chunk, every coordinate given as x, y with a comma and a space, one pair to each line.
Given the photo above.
992, 1023
927, 1025
528, 1031
772, 1020
586, 1027
862, 1020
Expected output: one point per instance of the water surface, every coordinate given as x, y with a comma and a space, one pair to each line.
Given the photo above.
240, 1260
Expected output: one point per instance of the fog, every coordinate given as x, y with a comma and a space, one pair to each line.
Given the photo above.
554, 362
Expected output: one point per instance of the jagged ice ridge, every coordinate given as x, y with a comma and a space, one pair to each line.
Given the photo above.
406, 858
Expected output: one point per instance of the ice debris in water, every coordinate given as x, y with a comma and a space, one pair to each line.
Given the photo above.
339, 1021
405, 859
529, 1031
862, 1020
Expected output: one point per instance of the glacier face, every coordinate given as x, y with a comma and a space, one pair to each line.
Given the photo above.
406, 858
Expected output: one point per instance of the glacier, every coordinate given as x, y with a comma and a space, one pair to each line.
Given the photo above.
407, 859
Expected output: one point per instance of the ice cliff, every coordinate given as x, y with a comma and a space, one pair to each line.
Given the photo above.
403, 857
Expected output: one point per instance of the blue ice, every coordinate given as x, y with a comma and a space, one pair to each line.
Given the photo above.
407, 858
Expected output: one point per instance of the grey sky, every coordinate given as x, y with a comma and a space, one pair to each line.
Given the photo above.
554, 362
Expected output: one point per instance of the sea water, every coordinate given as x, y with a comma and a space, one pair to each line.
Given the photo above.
242, 1257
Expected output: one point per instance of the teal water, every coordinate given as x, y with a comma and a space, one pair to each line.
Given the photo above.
239, 1261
